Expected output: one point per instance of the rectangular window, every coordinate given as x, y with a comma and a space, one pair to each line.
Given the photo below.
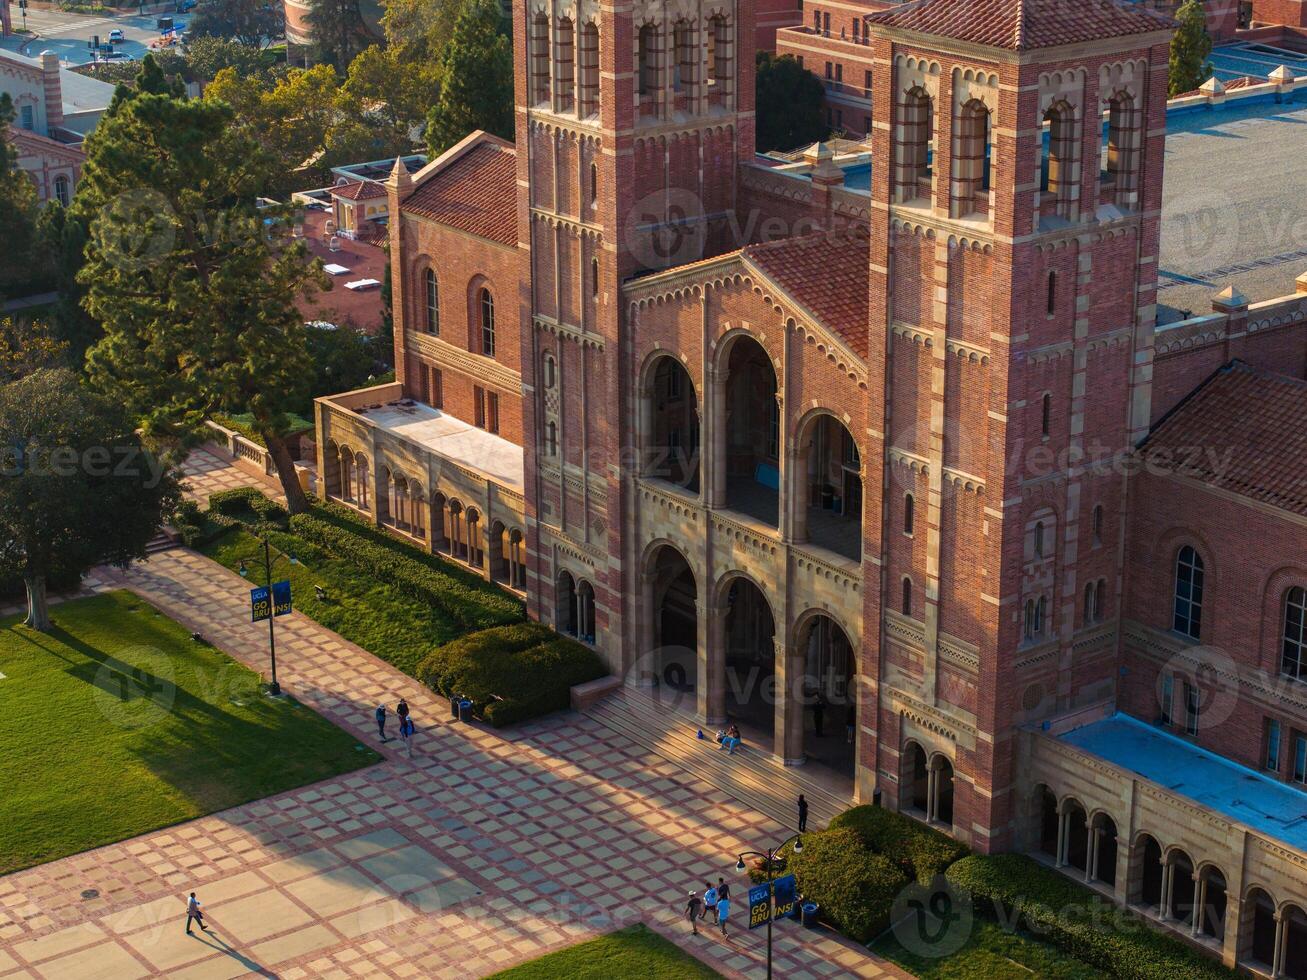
1192, 707
1272, 759
1299, 758
825, 23
866, 84
27, 118
830, 71
479, 406
492, 412
437, 389
839, 73
1168, 699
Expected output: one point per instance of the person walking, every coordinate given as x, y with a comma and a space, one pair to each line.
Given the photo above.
193, 912
693, 912
723, 911
723, 890
380, 715
406, 729
803, 814
710, 901
401, 709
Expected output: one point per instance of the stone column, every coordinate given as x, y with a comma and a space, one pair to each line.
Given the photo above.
716, 458
710, 672
1061, 838
788, 739
1281, 940
1091, 854
1168, 879
1200, 903
932, 793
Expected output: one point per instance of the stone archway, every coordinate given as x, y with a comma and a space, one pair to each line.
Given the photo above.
830, 693
749, 652
826, 486
1179, 887
439, 535
672, 652
748, 431
670, 424
1147, 879
1102, 849
915, 781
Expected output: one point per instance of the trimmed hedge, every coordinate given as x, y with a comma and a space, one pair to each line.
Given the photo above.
196, 527
472, 605
511, 673
920, 851
1022, 894
854, 887
247, 500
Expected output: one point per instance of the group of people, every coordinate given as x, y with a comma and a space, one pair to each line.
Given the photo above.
716, 901
406, 727
728, 739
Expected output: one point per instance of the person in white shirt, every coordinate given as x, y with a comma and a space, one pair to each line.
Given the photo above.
193, 912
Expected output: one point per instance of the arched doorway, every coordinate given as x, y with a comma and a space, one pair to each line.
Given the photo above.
943, 810
750, 420
457, 531
417, 507
1048, 821
916, 781
475, 552
671, 425
585, 611
750, 656
1293, 956
830, 694
499, 558
1148, 873
439, 539
1211, 903
827, 486
384, 496
674, 623
1180, 890
331, 471
516, 559
1103, 850
1259, 933
565, 604
1075, 836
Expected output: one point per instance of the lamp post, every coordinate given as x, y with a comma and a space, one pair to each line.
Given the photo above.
770, 858
274, 689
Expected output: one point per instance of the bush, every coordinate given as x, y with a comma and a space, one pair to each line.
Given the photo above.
854, 887
472, 604
511, 673
922, 852
233, 502
1021, 893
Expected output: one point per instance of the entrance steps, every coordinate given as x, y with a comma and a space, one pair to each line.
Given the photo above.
751, 775
163, 541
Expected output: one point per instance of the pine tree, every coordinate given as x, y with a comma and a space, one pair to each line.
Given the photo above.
477, 74
1190, 47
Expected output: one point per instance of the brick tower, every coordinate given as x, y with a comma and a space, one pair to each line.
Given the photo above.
630, 121
1014, 235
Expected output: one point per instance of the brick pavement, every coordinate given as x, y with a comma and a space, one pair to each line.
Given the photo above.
483, 850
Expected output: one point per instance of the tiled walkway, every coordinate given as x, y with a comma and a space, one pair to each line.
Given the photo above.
483, 850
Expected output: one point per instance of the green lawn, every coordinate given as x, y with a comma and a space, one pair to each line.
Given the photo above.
118, 723
992, 953
378, 617
632, 952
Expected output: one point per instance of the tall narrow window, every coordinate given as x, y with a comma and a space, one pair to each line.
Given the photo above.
1293, 660
549, 372
722, 58
969, 190
487, 305
1091, 604
1187, 618
1299, 758
1046, 414
594, 185
647, 56
564, 55
1193, 704
913, 157
433, 302
1060, 174
1124, 134
594, 278
1098, 524
907, 596
1166, 697
588, 104
61, 190
687, 58
27, 117
492, 411
1271, 756
1051, 298
909, 513
437, 388
1039, 539
551, 439
479, 406
540, 59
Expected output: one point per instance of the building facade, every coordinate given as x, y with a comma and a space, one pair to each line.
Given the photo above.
878, 457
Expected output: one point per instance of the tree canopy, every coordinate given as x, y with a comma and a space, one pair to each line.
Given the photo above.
195, 291
253, 23
789, 99
1190, 47
477, 79
338, 30
79, 488
18, 205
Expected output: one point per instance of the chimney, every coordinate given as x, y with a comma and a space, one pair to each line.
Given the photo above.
54, 96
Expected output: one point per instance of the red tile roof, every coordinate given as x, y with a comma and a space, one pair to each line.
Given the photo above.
1241, 430
1022, 25
476, 193
827, 274
359, 190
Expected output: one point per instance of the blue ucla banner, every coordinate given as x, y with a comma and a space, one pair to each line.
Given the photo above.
787, 893
281, 598
260, 604
760, 910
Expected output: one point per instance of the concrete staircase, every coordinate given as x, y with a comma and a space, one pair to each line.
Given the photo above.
163, 541
751, 775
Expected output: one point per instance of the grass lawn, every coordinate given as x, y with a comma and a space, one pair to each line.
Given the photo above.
992, 953
633, 952
118, 723
378, 617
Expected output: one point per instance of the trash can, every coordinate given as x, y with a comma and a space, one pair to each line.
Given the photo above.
465, 711
810, 913
453, 706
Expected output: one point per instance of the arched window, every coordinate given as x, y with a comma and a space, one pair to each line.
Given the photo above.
1187, 618
1039, 539
1091, 604
1051, 299
909, 513
1098, 524
550, 372
588, 102
594, 185
719, 57
566, 67
540, 58
487, 304
594, 277
1061, 171
913, 150
1100, 597
647, 60
433, 302
1034, 617
1294, 659
907, 596
686, 65
1046, 414
969, 191
1124, 132
61, 190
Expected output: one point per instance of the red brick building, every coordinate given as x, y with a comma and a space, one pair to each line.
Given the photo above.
890, 443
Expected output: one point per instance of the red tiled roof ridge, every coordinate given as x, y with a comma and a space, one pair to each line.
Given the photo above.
471, 187
355, 190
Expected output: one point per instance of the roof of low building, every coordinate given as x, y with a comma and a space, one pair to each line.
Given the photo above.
471, 187
1022, 25
827, 274
1242, 430
359, 190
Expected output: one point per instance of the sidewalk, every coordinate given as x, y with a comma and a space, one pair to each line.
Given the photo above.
484, 850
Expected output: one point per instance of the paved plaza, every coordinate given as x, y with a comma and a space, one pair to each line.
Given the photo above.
483, 850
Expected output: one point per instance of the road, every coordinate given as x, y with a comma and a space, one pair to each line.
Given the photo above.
67, 34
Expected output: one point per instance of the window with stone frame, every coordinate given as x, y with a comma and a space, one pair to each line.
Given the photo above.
487, 307
1293, 654
588, 88
565, 60
972, 161
1187, 609
540, 58
432, 310
1122, 149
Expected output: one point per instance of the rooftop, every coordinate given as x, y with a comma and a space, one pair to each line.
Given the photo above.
488, 454
362, 309
358, 190
1022, 25
80, 93
1242, 430
472, 187
1216, 783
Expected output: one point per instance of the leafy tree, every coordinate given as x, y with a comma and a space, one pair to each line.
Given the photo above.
1190, 46
206, 56
151, 79
63, 239
338, 30
477, 73
196, 298
343, 359
27, 346
79, 489
398, 90
18, 206
253, 23
789, 99
418, 31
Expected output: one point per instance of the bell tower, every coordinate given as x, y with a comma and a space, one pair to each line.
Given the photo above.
630, 120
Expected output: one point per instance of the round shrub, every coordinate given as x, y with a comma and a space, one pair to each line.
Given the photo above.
854, 887
922, 852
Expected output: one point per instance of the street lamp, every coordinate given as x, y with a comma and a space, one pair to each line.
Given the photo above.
770, 858
274, 688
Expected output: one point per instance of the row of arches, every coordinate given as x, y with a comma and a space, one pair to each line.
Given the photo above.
824, 468
449, 526
1191, 895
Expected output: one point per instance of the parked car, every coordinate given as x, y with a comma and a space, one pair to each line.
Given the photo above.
116, 36
185, 6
